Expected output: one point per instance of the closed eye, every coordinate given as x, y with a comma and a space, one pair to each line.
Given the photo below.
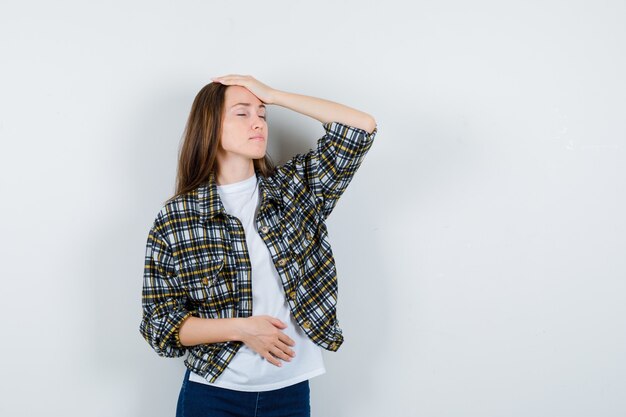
262, 117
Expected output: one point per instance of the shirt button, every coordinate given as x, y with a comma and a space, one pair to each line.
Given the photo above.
265, 229
282, 262
205, 281
333, 346
306, 324
309, 236
292, 295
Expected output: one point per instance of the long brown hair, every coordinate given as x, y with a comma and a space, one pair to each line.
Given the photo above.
197, 158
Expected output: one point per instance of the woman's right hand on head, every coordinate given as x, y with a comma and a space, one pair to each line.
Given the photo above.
263, 335
264, 92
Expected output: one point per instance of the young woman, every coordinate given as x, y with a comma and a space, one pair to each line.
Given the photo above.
239, 271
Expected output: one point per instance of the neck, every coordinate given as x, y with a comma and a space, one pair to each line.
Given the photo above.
231, 173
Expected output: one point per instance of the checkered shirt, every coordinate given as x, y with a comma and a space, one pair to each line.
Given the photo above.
197, 261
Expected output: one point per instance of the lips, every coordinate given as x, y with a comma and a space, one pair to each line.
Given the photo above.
257, 138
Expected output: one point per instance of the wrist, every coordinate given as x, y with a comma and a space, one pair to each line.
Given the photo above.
277, 98
237, 333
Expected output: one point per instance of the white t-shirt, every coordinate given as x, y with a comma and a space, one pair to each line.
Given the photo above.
248, 370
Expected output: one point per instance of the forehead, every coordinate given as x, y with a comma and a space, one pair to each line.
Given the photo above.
238, 94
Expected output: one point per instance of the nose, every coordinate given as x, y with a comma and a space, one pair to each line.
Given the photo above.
258, 122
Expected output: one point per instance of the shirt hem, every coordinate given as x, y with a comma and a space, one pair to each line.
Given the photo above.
264, 387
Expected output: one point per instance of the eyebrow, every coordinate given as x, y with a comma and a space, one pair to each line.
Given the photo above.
246, 104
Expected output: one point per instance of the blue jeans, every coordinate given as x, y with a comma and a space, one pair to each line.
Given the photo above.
196, 399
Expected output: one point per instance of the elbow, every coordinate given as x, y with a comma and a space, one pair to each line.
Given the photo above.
372, 127
164, 346
369, 124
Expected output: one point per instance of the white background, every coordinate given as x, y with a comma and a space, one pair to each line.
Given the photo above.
480, 247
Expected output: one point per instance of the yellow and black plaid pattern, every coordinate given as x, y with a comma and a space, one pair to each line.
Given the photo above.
197, 262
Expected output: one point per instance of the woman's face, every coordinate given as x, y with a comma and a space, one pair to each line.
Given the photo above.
244, 129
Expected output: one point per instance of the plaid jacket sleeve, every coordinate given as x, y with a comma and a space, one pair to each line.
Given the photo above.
327, 169
163, 299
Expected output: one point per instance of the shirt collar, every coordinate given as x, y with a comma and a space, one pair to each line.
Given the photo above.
210, 204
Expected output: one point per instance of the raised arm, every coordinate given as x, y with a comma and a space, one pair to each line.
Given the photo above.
325, 111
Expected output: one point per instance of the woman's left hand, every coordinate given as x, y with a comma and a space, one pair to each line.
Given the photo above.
264, 92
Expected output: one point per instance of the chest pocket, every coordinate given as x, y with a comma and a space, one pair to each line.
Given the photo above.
200, 279
305, 236
307, 239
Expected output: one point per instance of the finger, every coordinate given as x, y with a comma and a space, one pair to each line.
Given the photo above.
224, 81
280, 354
285, 348
271, 319
286, 339
271, 359
278, 323
235, 76
229, 78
